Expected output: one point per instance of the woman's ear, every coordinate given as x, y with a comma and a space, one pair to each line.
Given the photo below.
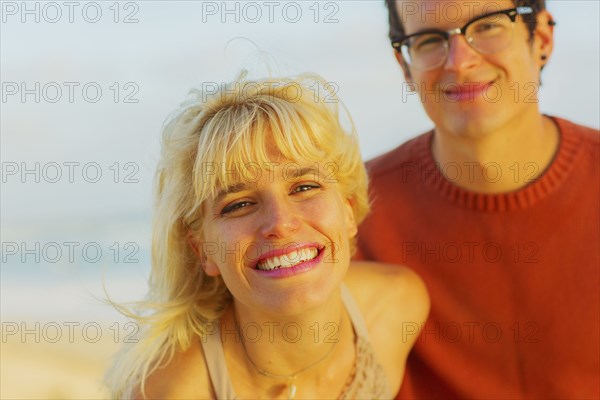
350, 219
207, 264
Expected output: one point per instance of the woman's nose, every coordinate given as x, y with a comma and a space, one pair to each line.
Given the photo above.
280, 218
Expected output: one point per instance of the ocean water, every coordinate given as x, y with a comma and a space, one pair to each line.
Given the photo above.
60, 271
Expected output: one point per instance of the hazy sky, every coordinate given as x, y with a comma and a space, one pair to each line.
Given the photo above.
157, 50
86, 89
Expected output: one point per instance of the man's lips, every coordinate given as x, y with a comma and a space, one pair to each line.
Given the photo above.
466, 90
292, 253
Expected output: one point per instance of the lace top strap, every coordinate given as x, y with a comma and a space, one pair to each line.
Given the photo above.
354, 312
368, 379
217, 368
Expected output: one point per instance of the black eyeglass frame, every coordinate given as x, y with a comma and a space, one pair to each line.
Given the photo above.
512, 13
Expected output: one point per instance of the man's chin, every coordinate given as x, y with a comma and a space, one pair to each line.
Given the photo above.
472, 124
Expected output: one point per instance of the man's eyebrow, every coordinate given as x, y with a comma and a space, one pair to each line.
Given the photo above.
473, 17
299, 172
235, 188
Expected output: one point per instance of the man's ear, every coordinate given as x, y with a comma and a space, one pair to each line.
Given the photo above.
207, 264
543, 37
405, 69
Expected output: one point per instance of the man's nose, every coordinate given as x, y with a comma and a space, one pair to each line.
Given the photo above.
461, 55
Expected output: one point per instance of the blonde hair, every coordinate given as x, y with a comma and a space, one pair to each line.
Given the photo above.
211, 135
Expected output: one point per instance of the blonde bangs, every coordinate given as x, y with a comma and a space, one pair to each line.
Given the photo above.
241, 140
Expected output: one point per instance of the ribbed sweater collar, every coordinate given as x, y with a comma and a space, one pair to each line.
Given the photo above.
550, 180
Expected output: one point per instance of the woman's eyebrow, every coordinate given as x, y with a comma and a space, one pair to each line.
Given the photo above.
293, 173
235, 188
297, 173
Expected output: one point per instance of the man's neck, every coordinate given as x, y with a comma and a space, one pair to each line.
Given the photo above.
501, 161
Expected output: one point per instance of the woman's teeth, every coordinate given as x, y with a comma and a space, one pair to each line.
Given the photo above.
288, 260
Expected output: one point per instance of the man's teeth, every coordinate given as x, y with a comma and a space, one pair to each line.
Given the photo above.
288, 260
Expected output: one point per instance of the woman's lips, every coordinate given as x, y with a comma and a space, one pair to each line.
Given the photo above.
289, 259
297, 268
284, 254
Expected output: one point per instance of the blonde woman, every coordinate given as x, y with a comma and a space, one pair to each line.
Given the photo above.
252, 294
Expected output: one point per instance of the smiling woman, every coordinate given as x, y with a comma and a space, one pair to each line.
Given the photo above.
252, 294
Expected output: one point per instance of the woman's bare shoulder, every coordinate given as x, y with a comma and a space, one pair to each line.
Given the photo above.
373, 283
395, 304
184, 377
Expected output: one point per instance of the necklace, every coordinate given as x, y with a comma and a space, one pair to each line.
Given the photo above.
291, 378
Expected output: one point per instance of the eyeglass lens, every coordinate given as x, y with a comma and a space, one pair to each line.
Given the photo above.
487, 35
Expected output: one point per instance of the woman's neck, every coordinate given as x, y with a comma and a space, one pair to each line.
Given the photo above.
274, 351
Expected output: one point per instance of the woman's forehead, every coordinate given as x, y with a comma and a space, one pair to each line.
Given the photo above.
251, 173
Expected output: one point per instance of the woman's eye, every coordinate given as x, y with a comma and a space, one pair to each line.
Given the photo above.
235, 206
305, 188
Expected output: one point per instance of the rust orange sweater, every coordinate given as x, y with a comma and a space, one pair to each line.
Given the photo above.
513, 278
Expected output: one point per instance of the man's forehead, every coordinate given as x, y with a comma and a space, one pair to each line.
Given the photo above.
420, 14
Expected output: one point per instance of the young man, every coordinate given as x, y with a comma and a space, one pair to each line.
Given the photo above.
497, 209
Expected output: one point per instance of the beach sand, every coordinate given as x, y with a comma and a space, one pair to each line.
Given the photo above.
61, 370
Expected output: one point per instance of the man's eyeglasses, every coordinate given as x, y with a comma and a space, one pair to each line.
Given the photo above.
487, 34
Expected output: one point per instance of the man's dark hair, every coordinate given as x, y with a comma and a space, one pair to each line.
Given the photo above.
397, 29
